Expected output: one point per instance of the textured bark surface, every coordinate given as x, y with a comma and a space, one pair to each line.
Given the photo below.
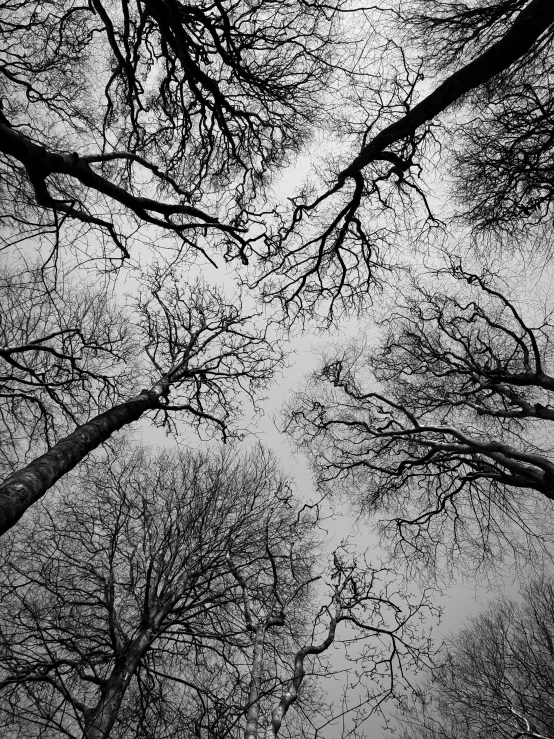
527, 28
27, 485
253, 713
290, 694
100, 720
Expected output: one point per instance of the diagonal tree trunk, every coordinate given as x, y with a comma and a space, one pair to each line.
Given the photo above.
99, 720
527, 28
28, 484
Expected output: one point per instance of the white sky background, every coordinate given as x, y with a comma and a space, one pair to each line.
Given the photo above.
459, 601
463, 598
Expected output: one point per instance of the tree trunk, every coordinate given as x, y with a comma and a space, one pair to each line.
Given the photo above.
27, 485
290, 694
99, 721
253, 713
527, 28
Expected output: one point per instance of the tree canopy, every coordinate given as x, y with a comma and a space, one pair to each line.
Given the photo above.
442, 424
174, 591
163, 125
496, 675
336, 161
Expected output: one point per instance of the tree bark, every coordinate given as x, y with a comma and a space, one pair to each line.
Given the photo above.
40, 163
27, 485
290, 694
253, 713
99, 721
527, 28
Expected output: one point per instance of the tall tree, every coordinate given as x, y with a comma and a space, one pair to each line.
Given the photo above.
201, 357
124, 581
175, 592
497, 676
443, 426
502, 147
329, 253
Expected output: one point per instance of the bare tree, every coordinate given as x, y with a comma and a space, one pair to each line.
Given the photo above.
200, 353
174, 590
123, 583
496, 679
327, 254
502, 148
65, 352
380, 640
443, 426
120, 116
195, 110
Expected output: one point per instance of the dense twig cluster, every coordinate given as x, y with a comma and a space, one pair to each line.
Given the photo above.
434, 422
120, 115
193, 607
497, 675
